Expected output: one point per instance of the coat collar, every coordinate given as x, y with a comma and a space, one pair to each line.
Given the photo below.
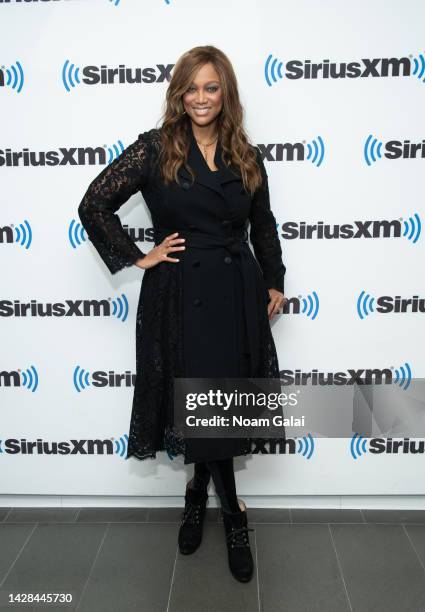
203, 175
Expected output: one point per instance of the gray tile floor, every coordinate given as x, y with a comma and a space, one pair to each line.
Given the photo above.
121, 559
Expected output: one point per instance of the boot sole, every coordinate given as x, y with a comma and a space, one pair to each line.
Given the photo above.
247, 579
188, 552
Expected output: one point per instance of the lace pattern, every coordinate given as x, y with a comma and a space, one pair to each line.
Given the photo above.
159, 313
263, 234
104, 196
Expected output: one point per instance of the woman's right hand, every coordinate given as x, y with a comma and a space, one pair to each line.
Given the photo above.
160, 252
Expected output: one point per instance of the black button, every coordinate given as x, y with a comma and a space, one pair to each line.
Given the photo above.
197, 302
185, 185
228, 259
192, 227
196, 263
225, 222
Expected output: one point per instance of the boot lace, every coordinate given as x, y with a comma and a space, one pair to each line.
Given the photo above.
239, 536
191, 514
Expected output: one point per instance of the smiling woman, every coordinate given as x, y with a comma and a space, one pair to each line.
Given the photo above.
204, 99
205, 300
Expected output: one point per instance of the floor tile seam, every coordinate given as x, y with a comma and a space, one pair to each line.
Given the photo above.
413, 546
341, 573
83, 590
18, 555
172, 578
7, 514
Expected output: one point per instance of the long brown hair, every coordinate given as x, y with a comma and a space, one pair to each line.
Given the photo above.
236, 149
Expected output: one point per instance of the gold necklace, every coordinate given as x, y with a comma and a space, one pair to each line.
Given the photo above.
206, 145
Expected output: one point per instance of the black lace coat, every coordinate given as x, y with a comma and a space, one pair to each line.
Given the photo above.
159, 320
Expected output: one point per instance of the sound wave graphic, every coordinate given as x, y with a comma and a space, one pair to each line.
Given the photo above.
272, 69
372, 149
121, 445
316, 151
23, 234
76, 234
114, 151
419, 67
306, 446
412, 228
403, 376
310, 305
358, 446
81, 378
120, 307
14, 76
70, 76
29, 378
365, 304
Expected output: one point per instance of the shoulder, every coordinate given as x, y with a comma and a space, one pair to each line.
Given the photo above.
150, 137
148, 143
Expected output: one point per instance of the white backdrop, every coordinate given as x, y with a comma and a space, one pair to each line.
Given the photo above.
329, 148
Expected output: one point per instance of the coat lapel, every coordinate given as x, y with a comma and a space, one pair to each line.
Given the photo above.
203, 175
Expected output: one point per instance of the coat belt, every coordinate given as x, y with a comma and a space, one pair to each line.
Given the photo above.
237, 244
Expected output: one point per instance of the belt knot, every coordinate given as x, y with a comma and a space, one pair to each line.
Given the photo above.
235, 244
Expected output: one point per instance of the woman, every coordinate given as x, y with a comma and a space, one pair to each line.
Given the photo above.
206, 301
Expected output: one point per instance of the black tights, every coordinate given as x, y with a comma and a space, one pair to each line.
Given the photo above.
224, 481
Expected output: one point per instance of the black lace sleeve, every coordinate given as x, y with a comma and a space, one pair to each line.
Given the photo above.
106, 193
264, 236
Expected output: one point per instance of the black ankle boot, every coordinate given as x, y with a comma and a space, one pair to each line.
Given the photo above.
239, 552
192, 522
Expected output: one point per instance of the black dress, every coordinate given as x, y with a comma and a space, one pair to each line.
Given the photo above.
211, 349
205, 316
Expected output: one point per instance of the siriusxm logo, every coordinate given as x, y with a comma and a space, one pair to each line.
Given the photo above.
83, 379
275, 69
303, 446
393, 149
111, 446
26, 379
20, 234
359, 446
116, 307
312, 151
308, 305
72, 76
73, 156
367, 304
12, 76
409, 228
401, 377
77, 235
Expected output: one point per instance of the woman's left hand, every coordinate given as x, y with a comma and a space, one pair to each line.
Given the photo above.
277, 301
